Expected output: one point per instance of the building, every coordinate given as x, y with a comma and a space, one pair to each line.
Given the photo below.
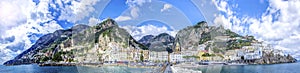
252, 52
158, 56
231, 55
201, 47
189, 55
222, 38
203, 58
176, 57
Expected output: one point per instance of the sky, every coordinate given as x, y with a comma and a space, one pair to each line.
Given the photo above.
275, 22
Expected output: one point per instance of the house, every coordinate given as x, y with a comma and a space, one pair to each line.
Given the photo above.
189, 55
158, 56
222, 38
232, 55
176, 57
202, 57
201, 47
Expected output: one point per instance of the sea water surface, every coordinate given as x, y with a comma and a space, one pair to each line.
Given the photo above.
33, 68
271, 68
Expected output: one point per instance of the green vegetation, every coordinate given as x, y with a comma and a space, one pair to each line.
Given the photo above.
200, 24
106, 33
142, 56
231, 34
44, 59
44, 50
208, 55
250, 38
191, 57
237, 44
57, 57
217, 50
205, 37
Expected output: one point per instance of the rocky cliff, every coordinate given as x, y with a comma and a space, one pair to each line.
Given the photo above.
219, 40
192, 36
161, 42
271, 58
80, 43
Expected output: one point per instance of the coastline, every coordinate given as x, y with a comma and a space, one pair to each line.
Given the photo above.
97, 65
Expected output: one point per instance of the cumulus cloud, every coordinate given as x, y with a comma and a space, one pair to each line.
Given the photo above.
133, 3
93, 21
122, 18
23, 21
134, 12
13, 13
139, 32
278, 26
166, 7
17, 19
77, 11
134, 6
147, 11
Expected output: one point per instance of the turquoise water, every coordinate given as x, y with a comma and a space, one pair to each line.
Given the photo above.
70, 69
274, 68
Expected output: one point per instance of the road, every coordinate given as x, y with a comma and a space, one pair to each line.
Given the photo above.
168, 69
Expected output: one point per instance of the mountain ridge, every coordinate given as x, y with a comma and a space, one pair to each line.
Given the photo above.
52, 46
161, 42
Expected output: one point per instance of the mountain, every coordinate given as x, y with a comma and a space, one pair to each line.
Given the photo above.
80, 43
146, 40
193, 36
218, 40
161, 42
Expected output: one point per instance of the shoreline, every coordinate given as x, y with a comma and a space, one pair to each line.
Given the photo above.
134, 66
94, 65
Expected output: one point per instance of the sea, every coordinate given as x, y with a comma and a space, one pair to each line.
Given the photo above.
33, 68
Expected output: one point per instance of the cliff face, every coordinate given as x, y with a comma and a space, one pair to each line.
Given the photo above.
44, 42
270, 58
81, 43
146, 40
219, 40
161, 42
192, 36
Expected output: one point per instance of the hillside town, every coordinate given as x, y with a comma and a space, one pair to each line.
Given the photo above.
202, 54
106, 44
199, 54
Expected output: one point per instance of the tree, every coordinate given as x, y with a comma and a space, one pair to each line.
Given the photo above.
44, 58
142, 57
57, 57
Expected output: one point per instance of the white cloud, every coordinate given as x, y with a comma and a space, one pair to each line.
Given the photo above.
19, 19
133, 3
139, 32
23, 18
134, 12
166, 7
78, 10
12, 13
278, 26
93, 21
148, 11
134, 6
122, 18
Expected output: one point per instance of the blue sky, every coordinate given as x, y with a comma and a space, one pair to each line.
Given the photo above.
275, 22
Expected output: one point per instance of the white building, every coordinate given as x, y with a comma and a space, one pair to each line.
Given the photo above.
189, 53
176, 57
222, 38
158, 56
232, 55
201, 47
